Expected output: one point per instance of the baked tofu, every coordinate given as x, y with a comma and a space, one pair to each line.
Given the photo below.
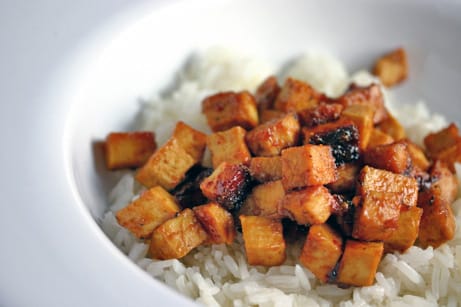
362, 117
228, 109
151, 209
359, 263
346, 178
191, 140
417, 155
378, 137
296, 96
442, 140
128, 149
270, 138
228, 146
451, 156
392, 127
263, 240
217, 222
392, 68
407, 230
176, 237
266, 93
323, 113
393, 157
269, 114
265, 169
321, 251
309, 206
308, 165
265, 200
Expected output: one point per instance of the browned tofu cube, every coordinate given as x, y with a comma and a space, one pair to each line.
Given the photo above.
217, 222
308, 165
346, 178
324, 113
321, 251
392, 68
392, 127
265, 200
128, 149
151, 209
266, 93
263, 239
407, 230
265, 169
417, 155
393, 157
228, 109
228, 185
167, 167
296, 96
269, 114
359, 263
191, 140
270, 138
309, 206
362, 117
439, 141
370, 95
176, 237
378, 137
229, 146
451, 156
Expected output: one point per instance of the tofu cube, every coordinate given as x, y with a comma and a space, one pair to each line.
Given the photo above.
417, 155
265, 200
359, 263
407, 230
393, 157
228, 109
378, 137
269, 114
362, 117
346, 178
308, 165
217, 222
228, 146
265, 169
296, 96
392, 68
151, 209
191, 140
439, 141
309, 206
451, 156
392, 127
266, 93
270, 138
321, 251
323, 113
263, 240
176, 237
128, 149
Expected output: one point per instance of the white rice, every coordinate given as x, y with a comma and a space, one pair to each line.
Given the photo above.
218, 275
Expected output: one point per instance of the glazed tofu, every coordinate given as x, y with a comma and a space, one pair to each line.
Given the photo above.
359, 263
176, 237
346, 178
378, 137
191, 140
265, 169
264, 200
270, 138
324, 113
392, 127
269, 114
228, 185
167, 167
393, 157
128, 149
263, 240
407, 230
392, 68
228, 146
362, 117
442, 140
417, 155
228, 109
151, 209
309, 206
217, 222
296, 96
321, 251
451, 156
370, 95
308, 165
266, 93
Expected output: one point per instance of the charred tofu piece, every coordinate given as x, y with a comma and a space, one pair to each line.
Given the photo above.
151, 209
228, 185
264, 200
438, 222
296, 96
217, 222
191, 140
370, 95
342, 136
265, 169
176, 237
346, 178
323, 113
321, 251
442, 140
228, 109
188, 192
378, 137
392, 68
167, 167
343, 211
362, 117
393, 157
229, 146
308, 165
392, 127
407, 230
359, 263
128, 149
309, 206
270, 138
417, 155
266, 93
263, 239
